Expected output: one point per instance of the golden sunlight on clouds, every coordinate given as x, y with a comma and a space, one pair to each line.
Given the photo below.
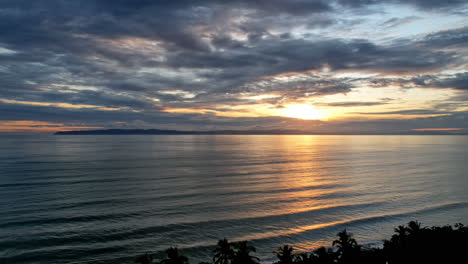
260, 97
438, 129
360, 104
301, 111
61, 105
234, 111
38, 126
182, 110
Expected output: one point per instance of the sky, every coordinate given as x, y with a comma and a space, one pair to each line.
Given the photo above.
322, 66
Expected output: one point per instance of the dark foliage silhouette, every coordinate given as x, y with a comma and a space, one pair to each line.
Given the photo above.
372, 256
285, 255
324, 255
144, 259
416, 244
243, 253
411, 243
304, 258
224, 252
173, 257
348, 249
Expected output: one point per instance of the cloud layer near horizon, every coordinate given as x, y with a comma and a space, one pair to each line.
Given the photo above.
228, 65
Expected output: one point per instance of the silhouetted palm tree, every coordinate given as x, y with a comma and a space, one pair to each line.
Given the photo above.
401, 230
285, 255
414, 227
242, 255
345, 241
348, 248
224, 253
173, 257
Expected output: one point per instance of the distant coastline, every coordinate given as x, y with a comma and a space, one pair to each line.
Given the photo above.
233, 132
178, 132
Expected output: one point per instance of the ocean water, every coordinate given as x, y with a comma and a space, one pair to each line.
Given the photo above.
107, 199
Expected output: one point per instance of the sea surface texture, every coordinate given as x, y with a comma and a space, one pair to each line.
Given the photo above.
107, 199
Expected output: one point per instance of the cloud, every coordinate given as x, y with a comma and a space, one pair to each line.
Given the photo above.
128, 119
457, 120
407, 112
133, 55
424, 4
456, 81
438, 129
447, 39
397, 21
351, 104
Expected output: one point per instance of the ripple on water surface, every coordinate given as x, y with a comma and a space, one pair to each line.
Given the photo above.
105, 199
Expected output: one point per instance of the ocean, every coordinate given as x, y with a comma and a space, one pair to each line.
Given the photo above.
107, 199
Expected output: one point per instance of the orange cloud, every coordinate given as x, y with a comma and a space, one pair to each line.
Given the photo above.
38, 126
437, 129
289, 74
61, 105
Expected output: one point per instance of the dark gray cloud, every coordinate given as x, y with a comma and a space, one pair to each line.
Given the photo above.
424, 4
447, 39
396, 21
458, 81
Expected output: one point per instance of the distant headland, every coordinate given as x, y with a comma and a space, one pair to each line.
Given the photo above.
232, 132
180, 132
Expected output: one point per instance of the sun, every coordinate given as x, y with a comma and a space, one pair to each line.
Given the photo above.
301, 111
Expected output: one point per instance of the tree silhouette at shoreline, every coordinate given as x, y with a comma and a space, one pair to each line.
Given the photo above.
285, 255
173, 257
224, 252
243, 253
410, 244
348, 249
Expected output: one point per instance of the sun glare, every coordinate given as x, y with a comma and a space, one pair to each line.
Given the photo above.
301, 111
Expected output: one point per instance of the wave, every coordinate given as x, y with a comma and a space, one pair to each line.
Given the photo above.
359, 221
55, 204
60, 238
114, 244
